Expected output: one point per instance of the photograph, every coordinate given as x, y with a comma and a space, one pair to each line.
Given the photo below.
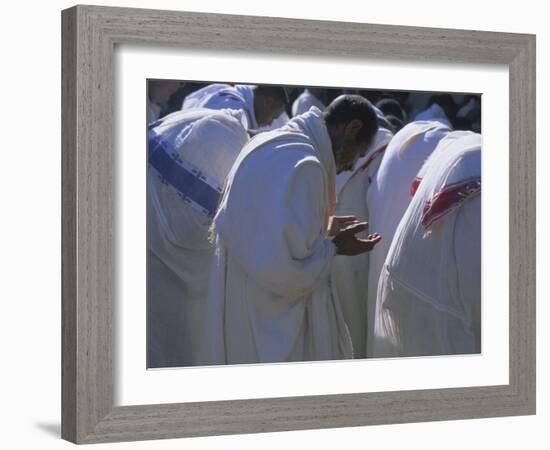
273, 221
310, 223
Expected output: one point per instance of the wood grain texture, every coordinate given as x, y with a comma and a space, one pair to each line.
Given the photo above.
88, 270
68, 224
522, 241
89, 204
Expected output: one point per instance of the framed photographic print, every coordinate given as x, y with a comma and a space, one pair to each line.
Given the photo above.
219, 275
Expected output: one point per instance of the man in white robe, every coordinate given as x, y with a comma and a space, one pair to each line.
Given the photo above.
190, 154
440, 107
261, 104
429, 295
270, 296
433, 112
310, 97
389, 195
350, 274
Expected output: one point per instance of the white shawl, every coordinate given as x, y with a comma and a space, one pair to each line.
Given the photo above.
270, 298
390, 194
434, 112
429, 292
350, 274
224, 96
304, 102
201, 145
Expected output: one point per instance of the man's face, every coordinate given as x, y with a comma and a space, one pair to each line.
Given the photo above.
267, 109
347, 148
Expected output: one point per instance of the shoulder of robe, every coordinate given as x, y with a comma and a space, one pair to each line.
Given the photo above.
308, 171
293, 151
292, 159
301, 157
288, 164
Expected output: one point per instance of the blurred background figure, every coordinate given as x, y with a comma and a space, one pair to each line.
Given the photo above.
395, 122
308, 98
391, 107
441, 107
471, 110
261, 104
158, 93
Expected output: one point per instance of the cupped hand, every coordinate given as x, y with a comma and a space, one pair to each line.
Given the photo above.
347, 243
340, 223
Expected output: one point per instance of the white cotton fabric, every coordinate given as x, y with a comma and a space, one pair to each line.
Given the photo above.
224, 96
434, 112
429, 295
304, 102
179, 253
278, 122
350, 273
270, 296
389, 195
373, 156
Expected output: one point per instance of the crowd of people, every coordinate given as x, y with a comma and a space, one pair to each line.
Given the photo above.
299, 224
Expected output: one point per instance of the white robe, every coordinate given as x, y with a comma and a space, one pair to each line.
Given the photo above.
270, 297
350, 273
278, 122
224, 96
304, 102
429, 295
190, 154
389, 195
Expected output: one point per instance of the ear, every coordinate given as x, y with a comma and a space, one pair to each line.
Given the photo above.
353, 128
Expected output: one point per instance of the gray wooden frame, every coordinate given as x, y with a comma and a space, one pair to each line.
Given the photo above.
89, 35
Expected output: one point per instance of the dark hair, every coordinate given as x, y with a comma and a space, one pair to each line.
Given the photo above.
395, 122
461, 123
391, 107
446, 101
346, 108
267, 90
